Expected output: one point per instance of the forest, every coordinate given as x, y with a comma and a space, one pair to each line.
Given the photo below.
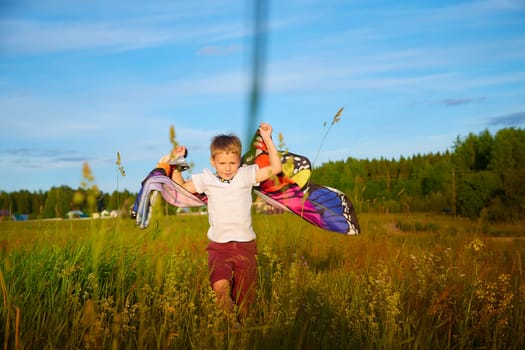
483, 176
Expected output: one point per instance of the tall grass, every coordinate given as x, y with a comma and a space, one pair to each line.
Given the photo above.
408, 282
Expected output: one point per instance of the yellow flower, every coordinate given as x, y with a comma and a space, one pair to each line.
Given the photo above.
475, 245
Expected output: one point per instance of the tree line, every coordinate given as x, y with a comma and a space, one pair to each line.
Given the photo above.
483, 176
58, 201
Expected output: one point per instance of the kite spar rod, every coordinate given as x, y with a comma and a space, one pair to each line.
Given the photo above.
258, 62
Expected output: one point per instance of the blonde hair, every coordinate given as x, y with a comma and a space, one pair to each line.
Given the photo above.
225, 143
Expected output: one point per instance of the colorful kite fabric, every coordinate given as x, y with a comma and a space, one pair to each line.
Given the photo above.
173, 193
322, 206
335, 208
154, 172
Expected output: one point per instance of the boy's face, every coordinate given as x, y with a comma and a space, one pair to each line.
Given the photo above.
226, 164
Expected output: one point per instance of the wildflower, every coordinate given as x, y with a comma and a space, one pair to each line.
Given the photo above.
281, 144
495, 300
337, 116
86, 172
172, 137
89, 191
335, 119
475, 245
120, 166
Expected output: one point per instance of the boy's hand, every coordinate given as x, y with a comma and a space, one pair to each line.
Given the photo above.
180, 151
265, 130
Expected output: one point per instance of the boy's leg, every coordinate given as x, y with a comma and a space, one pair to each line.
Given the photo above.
223, 292
221, 271
245, 276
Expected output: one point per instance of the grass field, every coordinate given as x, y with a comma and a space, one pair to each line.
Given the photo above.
410, 281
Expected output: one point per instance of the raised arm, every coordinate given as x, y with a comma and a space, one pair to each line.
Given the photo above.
274, 168
176, 175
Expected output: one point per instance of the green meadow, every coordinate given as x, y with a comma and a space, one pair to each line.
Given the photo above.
409, 281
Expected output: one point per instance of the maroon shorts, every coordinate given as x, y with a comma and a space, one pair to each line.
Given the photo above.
235, 262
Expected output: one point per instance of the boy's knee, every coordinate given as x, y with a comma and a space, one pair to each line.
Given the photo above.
221, 287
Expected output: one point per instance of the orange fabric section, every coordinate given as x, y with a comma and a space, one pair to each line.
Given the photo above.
275, 183
166, 168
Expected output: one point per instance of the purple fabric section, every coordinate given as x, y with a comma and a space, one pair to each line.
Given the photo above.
177, 195
292, 197
323, 206
172, 192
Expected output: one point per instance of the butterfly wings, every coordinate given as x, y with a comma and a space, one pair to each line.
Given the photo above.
322, 206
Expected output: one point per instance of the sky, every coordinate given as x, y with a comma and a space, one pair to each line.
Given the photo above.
83, 80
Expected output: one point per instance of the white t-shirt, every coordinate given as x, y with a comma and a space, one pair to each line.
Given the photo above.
229, 204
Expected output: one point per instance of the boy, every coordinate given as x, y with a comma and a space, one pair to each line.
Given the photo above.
232, 249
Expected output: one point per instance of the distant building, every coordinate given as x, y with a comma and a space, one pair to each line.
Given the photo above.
75, 214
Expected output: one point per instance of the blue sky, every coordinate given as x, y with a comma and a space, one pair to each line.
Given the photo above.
83, 80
